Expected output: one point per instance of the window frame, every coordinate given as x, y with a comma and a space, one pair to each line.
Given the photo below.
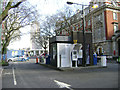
115, 17
115, 27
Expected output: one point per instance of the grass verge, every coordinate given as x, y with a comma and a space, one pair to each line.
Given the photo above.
3, 63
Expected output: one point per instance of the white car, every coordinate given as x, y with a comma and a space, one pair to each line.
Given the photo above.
16, 58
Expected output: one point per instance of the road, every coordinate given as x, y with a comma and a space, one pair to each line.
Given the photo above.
31, 75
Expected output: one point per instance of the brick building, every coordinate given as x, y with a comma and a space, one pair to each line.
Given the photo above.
106, 27
103, 22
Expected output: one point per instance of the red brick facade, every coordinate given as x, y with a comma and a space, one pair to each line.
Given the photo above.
109, 23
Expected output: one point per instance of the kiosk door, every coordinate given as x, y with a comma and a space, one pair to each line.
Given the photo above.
64, 53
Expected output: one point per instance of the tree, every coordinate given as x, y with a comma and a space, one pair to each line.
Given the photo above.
63, 20
17, 18
9, 6
48, 26
40, 39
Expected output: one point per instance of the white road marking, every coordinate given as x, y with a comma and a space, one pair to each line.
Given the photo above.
7, 73
63, 85
1, 72
15, 62
15, 82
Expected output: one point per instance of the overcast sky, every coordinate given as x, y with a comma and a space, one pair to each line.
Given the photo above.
50, 6
47, 7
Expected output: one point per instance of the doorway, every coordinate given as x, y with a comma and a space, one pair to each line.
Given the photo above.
64, 54
99, 50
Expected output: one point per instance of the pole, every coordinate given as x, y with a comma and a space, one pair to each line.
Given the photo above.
84, 40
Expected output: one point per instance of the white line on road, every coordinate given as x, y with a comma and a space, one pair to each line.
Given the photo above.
1, 72
7, 73
15, 82
63, 85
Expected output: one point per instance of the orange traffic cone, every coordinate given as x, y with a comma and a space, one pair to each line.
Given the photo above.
36, 60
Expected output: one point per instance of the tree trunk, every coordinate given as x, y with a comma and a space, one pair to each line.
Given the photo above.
4, 53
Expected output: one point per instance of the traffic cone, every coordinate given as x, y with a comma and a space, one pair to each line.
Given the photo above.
37, 60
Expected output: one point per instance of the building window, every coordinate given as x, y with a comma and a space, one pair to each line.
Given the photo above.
115, 27
114, 15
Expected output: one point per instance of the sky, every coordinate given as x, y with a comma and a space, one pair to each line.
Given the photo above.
45, 8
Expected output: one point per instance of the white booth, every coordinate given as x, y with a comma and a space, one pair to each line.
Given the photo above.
64, 55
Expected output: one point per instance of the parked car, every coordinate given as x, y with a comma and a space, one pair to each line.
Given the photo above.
16, 58
25, 57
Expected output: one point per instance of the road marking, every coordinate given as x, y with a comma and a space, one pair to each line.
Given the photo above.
7, 73
15, 82
15, 62
1, 72
63, 85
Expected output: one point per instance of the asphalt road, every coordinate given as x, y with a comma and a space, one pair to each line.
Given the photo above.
31, 75
1, 77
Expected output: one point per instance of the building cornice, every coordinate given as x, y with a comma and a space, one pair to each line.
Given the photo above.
104, 7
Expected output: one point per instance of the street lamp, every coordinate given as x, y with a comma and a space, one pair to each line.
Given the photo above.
84, 39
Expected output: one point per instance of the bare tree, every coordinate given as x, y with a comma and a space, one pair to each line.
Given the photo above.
17, 18
40, 39
46, 30
9, 6
48, 26
63, 20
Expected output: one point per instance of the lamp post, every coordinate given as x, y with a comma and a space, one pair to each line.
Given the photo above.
84, 39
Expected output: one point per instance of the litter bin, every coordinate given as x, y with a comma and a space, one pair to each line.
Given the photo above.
48, 59
94, 59
103, 61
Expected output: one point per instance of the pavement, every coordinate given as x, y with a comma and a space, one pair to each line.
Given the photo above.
77, 68
1, 69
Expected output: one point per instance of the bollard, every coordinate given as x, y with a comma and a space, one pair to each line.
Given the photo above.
36, 60
103, 61
118, 60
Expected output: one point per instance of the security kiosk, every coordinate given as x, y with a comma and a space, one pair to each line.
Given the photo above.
67, 51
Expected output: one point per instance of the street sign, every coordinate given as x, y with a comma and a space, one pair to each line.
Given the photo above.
75, 41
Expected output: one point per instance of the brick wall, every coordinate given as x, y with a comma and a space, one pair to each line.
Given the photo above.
109, 23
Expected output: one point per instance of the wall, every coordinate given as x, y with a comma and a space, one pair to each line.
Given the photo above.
109, 23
